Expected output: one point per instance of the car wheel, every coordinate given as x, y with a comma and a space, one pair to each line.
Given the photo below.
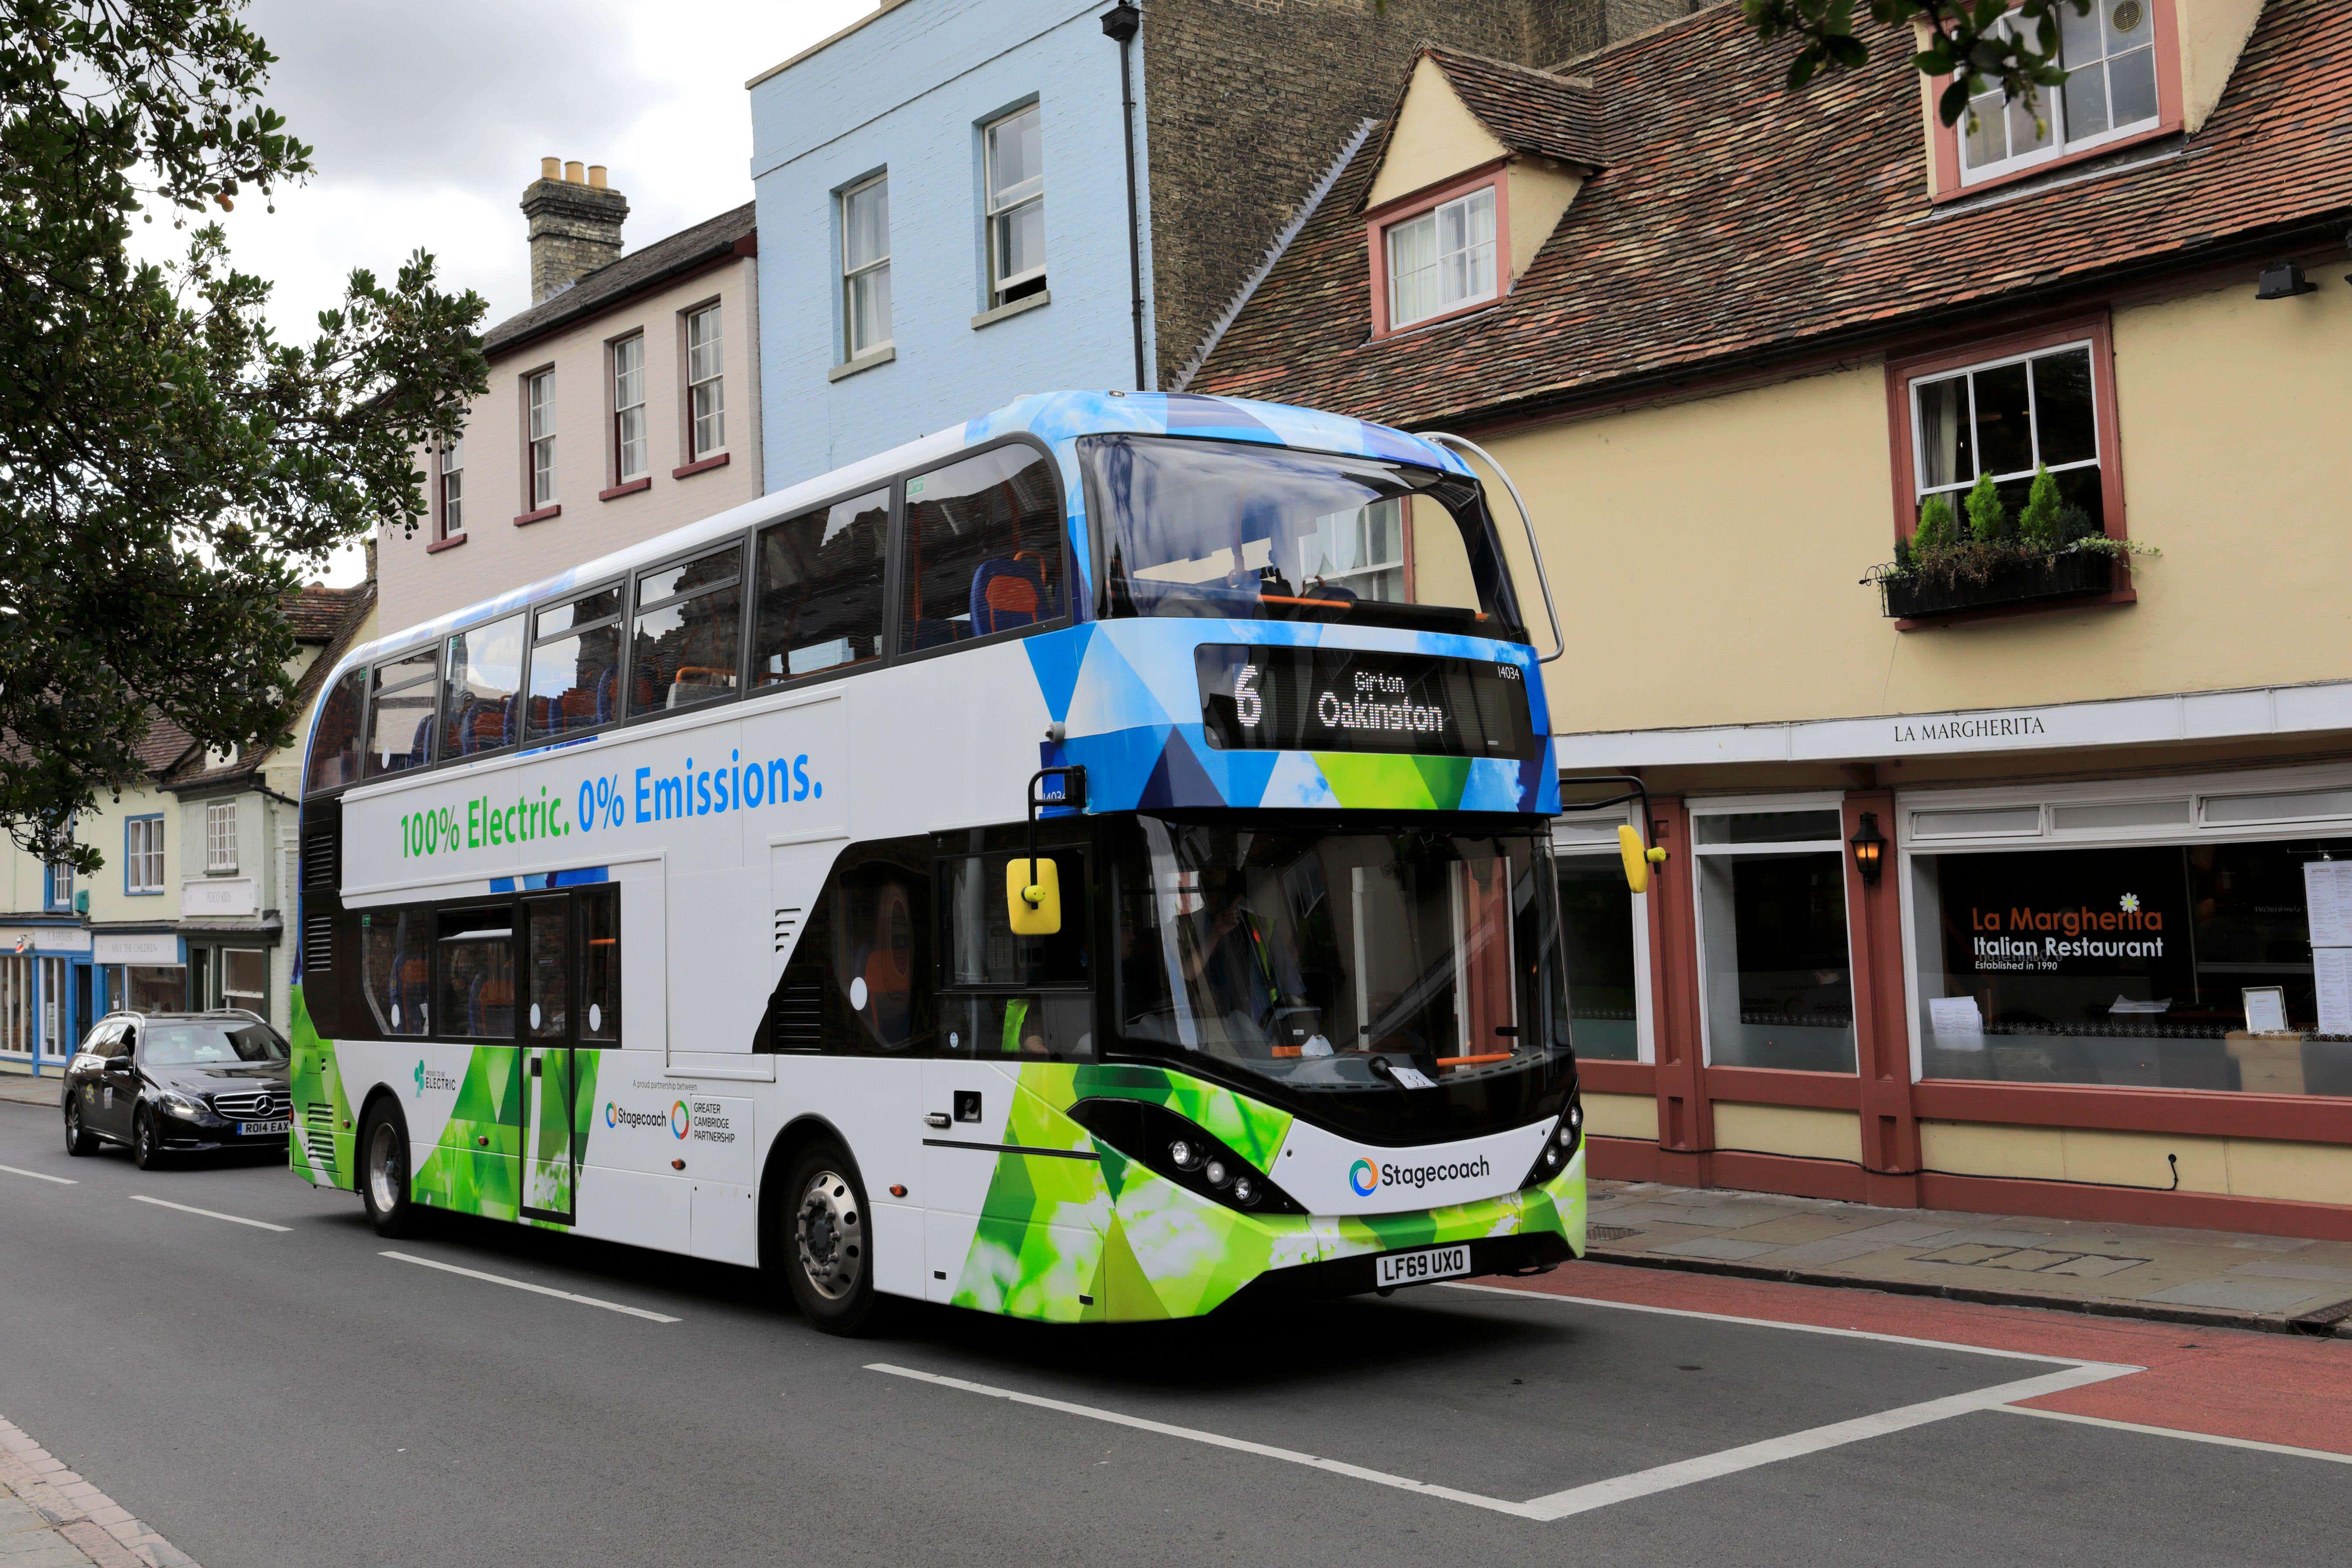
383, 1175
146, 1143
79, 1140
827, 1255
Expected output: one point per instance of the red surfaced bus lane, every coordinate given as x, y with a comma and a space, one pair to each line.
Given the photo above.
2221, 1383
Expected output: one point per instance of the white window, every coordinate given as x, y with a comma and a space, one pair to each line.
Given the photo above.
2005, 418
220, 835
143, 855
1443, 259
453, 489
866, 267
1361, 550
2110, 91
706, 389
1015, 155
1776, 970
539, 395
60, 886
629, 409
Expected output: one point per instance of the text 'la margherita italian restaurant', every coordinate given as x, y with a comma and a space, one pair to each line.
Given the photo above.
1946, 524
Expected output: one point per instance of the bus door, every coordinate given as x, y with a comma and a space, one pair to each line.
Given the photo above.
550, 1164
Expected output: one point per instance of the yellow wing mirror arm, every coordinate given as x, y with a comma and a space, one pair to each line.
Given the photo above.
1633, 848
1033, 887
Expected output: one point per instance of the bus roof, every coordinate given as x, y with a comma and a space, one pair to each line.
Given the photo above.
1056, 418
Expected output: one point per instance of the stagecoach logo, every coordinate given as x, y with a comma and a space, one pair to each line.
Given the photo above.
620, 1116
1367, 1178
428, 1078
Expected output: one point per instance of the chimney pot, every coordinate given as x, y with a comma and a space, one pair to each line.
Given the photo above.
551, 169
572, 174
596, 175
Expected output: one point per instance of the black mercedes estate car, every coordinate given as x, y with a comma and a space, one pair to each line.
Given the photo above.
168, 1083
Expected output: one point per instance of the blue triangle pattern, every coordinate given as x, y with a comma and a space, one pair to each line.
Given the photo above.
1054, 659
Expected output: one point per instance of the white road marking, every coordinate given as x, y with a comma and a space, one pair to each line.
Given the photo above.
61, 1181
535, 1289
1216, 1440
210, 1214
2176, 1432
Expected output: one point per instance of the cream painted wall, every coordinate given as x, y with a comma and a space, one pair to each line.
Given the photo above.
2212, 32
1721, 540
1436, 138
1622, 1116
416, 584
1540, 191
2239, 1167
1807, 1131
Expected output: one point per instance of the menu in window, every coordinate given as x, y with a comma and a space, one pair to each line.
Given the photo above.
2332, 968
2328, 895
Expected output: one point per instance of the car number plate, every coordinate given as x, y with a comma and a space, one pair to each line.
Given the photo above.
1416, 1268
255, 1129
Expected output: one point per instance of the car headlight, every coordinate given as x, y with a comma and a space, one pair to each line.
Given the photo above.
181, 1105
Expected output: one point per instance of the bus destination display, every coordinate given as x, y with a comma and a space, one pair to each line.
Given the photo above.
1353, 699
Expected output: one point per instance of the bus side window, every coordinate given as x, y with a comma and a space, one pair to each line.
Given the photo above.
1012, 995
820, 596
396, 970
335, 742
881, 915
599, 1020
400, 715
984, 543
476, 985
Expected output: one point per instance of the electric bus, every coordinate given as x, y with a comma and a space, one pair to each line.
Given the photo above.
1083, 865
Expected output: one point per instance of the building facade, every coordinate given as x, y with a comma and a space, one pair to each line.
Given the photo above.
952, 205
623, 404
191, 908
1943, 528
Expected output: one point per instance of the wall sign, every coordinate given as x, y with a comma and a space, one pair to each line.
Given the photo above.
220, 898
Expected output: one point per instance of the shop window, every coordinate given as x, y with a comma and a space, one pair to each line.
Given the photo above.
157, 987
1597, 917
1775, 965
575, 665
1005, 994
245, 979
687, 630
821, 591
984, 543
335, 737
15, 1004
482, 689
400, 713
396, 970
475, 993
2167, 966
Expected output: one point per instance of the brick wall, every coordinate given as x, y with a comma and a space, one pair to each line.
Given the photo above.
1247, 102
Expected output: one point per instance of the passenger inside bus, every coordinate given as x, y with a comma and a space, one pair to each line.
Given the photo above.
1241, 961
885, 967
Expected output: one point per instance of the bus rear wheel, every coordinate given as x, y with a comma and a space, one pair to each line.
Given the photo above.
826, 1253
384, 1174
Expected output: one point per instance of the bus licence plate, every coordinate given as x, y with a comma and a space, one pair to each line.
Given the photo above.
1417, 1268
260, 1129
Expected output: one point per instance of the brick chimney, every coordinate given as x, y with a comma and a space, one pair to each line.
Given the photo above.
575, 224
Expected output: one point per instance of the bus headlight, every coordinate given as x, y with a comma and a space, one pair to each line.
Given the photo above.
1184, 1154
1559, 1146
1217, 1173
1175, 1148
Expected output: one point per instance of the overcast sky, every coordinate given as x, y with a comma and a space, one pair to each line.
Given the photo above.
429, 117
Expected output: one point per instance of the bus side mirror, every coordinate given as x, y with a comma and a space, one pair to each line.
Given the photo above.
1637, 859
1033, 908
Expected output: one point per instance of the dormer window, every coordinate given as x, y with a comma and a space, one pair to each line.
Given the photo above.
1443, 259
2111, 93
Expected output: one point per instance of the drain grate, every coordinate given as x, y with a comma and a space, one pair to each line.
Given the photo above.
1609, 1232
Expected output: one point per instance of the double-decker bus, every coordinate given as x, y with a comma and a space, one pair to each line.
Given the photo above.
1082, 865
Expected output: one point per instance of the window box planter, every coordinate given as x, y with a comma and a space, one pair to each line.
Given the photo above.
1911, 595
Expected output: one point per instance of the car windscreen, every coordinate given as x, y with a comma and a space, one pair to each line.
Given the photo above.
200, 1043
1239, 531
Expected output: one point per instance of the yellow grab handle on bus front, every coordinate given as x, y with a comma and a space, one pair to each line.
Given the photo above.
1637, 862
1032, 907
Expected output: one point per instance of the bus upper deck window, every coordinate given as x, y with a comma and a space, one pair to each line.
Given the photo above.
575, 665
683, 646
335, 739
483, 687
400, 715
983, 548
820, 594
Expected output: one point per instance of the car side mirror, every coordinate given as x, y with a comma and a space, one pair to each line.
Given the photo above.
1032, 907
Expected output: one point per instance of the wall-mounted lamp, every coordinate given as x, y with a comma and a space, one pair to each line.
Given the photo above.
1869, 848
2284, 280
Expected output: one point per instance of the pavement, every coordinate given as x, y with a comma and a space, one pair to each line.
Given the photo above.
245, 1366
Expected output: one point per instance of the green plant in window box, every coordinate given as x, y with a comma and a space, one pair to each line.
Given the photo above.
1989, 521
2044, 552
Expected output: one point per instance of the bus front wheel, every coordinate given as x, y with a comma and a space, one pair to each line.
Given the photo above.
383, 1175
827, 1255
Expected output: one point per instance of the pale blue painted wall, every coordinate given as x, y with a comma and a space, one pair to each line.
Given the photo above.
909, 91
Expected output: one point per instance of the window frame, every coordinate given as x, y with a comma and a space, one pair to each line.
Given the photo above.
1903, 374
895, 578
214, 817
1951, 181
894, 505
848, 348
1830, 800
990, 212
1379, 221
134, 860
57, 886
531, 642
441, 690
742, 541
534, 508
368, 695
449, 520
619, 480
689, 438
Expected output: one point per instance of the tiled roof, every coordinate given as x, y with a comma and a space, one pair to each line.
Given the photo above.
317, 613
164, 743
663, 259
1529, 110
1734, 222
351, 608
